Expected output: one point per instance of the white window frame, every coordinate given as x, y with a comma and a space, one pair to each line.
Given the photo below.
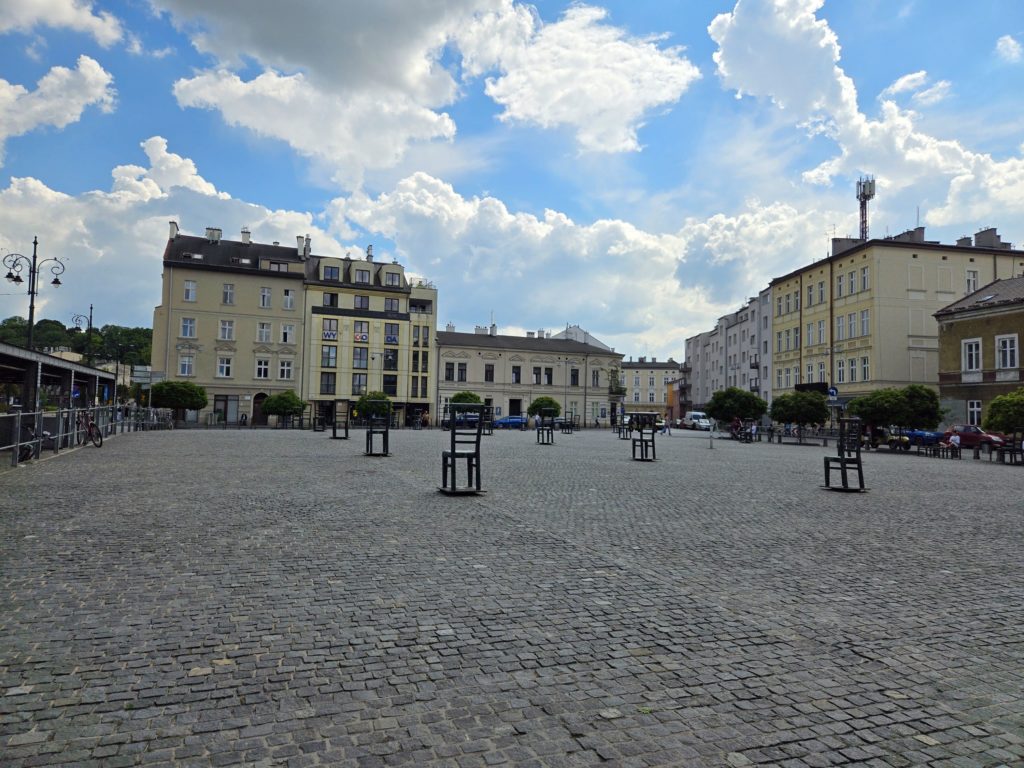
851, 325
265, 298
289, 299
852, 365
974, 413
227, 295
851, 283
840, 371
224, 364
262, 368
227, 330
284, 369
970, 355
186, 365
840, 328
839, 286
865, 278
188, 324
191, 290
865, 322
821, 291
1007, 351
263, 332
865, 369
971, 280
821, 371
810, 335
287, 333
821, 331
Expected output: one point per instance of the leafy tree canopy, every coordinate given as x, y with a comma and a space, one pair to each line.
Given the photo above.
542, 403
1006, 412
370, 405
131, 346
727, 404
915, 406
800, 408
284, 404
466, 397
922, 407
180, 395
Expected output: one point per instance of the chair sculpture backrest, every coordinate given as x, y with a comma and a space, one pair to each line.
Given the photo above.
465, 426
378, 423
339, 430
849, 442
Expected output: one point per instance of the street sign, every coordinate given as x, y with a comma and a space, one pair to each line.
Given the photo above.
833, 393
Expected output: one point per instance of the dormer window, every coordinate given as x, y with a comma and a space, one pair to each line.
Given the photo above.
332, 273
362, 276
392, 278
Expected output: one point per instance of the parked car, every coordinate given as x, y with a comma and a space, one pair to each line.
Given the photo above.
923, 436
971, 436
510, 422
696, 420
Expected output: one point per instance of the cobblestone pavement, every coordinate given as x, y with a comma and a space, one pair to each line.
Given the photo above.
276, 598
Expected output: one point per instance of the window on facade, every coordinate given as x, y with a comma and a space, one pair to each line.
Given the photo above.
1006, 351
821, 372
227, 330
330, 299
974, 412
362, 276
851, 325
262, 368
223, 367
360, 357
185, 365
265, 298
810, 295
788, 380
778, 307
263, 332
840, 328
778, 378
517, 374
865, 322
970, 355
392, 278
788, 339
789, 304
449, 371
287, 333
329, 331
361, 328
574, 377
810, 372
778, 341
865, 370
227, 296
810, 334
358, 383
821, 291
392, 305
852, 364
328, 356
284, 369
821, 332
425, 336
549, 376
865, 279
332, 273
796, 301
595, 378
650, 381
489, 372
851, 283
278, 266
328, 383
414, 386
796, 337
390, 333
650, 397
636, 397
423, 369
839, 286
840, 371
390, 382
416, 361
188, 327
190, 290
390, 359
415, 335
636, 381
289, 298
361, 302
536, 375
972, 280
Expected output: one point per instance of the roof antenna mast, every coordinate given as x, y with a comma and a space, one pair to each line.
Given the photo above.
865, 191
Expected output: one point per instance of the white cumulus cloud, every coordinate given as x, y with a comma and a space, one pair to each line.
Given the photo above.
59, 99
1008, 49
911, 82
76, 15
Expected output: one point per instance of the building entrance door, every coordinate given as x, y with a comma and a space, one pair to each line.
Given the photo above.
515, 407
259, 419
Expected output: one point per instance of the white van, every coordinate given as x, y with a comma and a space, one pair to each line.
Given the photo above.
696, 420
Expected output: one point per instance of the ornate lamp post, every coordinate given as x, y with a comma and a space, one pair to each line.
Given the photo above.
78, 320
15, 263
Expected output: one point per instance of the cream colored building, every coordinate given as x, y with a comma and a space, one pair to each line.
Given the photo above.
862, 319
509, 372
246, 320
647, 383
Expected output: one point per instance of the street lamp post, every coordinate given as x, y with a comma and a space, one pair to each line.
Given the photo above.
15, 263
77, 320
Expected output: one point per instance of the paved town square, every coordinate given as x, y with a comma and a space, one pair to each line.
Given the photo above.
274, 597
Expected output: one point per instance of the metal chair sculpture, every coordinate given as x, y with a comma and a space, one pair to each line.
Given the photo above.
465, 426
546, 427
848, 447
645, 425
378, 424
488, 420
567, 423
341, 411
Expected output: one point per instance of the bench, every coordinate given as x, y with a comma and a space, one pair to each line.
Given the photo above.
464, 433
847, 458
378, 425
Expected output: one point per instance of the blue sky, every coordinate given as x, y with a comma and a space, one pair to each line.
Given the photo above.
637, 168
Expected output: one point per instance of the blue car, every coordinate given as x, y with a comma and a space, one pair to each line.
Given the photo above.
510, 422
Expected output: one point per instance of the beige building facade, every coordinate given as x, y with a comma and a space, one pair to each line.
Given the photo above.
647, 384
509, 372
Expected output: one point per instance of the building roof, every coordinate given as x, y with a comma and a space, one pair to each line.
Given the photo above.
668, 365
999, 293
521, 343
232, 254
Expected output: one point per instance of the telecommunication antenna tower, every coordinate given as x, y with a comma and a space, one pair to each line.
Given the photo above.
865, 191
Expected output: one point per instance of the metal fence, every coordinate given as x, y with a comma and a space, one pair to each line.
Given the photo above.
31, 434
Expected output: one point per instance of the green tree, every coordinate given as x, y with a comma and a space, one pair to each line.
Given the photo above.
466, 397
370, 405
542, 403
922, 407
50, 334
284, 404
727, 404
14, 330
1006, 412
881, 407
800, 408
179, 395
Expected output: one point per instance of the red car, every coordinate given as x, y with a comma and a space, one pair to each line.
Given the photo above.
971, 436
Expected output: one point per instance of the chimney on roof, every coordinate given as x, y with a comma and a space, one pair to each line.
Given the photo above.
540, 334
298, 245
213, 234
450, 327
369, 253
530, 334
989, 238
245, 235
306, 248
964, 242
494, 329
174, 229
654, 359
277, 242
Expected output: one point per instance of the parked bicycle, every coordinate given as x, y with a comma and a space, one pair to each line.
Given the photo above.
86, 429
27, 451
